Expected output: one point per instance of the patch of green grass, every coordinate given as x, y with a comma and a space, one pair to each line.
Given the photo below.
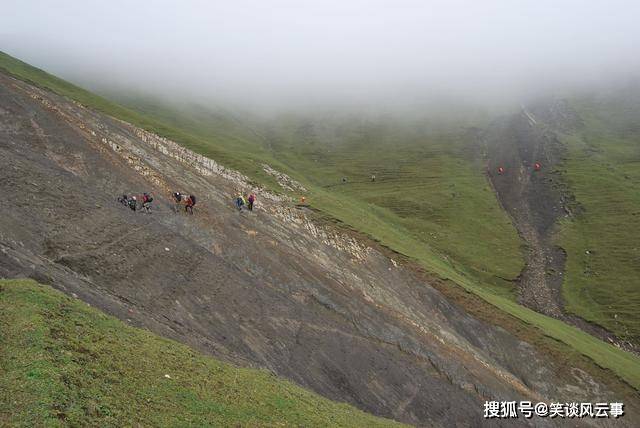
65, 364
602, 282
622, 363
429, 190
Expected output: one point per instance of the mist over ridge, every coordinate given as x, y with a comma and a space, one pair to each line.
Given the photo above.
287, 55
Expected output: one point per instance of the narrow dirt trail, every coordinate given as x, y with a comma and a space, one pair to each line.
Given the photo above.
535, 201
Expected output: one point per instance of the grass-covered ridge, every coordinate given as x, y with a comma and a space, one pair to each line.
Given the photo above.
602, 282
63, 363
436, 209
429, 189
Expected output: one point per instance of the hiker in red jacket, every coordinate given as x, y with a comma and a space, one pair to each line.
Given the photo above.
189, 204
146, 201
250, 201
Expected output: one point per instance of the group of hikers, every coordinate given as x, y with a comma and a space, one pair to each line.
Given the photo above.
245, 201
188, 201
373, 179
144, 202
537, 166
133, 201
242, 200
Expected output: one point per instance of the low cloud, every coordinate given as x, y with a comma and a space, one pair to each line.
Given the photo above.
274, 54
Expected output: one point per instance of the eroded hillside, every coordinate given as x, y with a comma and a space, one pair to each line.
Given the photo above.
533, 188
269, 288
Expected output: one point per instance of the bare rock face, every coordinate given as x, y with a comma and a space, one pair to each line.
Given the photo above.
268, 288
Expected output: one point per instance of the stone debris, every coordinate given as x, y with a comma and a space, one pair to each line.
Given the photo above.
284, 180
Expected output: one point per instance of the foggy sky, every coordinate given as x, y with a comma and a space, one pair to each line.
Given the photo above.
276, 53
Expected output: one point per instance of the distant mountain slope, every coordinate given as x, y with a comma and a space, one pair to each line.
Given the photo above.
602, 169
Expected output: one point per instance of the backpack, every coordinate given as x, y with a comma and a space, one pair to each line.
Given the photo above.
149, 199
193, 199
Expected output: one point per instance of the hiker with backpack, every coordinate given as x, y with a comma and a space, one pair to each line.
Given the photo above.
124, 200
240, 201
133, 203
177, 197
189, 204
250, 201
146, 201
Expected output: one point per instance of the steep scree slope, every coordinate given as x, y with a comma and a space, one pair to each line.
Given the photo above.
536, 200
516, 143
268, 288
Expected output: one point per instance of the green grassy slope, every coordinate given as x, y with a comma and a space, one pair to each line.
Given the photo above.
429, 190
602, 282
63, 363
440, 231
